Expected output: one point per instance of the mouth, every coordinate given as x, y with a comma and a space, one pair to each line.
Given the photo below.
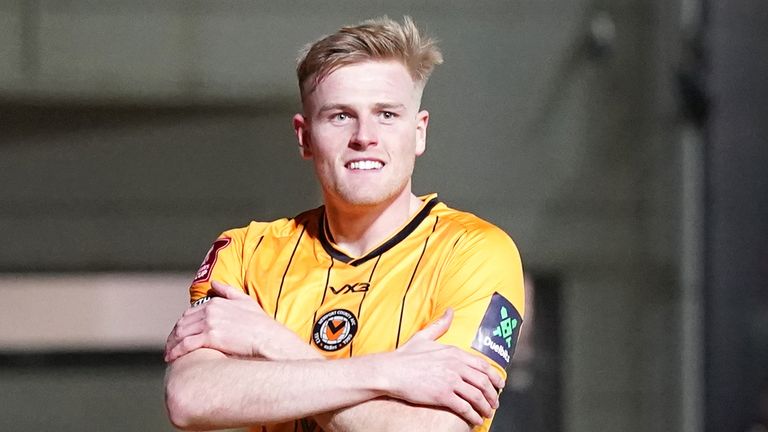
364, 165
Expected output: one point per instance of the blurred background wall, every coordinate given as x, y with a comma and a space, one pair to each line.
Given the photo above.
132, 133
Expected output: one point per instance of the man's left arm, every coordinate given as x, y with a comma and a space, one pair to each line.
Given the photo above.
483, 284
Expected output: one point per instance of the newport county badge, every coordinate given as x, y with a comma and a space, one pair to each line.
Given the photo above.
498, 332
334, 330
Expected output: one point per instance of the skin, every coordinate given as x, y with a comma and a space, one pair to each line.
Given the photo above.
421, 372
251, 369
364, 112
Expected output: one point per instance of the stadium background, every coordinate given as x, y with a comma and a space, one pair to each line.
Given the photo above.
621, 143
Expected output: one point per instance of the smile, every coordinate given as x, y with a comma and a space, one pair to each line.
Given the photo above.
365, 165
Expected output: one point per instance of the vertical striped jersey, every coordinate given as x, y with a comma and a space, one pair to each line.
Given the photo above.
355, 305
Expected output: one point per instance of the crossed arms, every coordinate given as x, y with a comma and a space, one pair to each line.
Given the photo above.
231, 365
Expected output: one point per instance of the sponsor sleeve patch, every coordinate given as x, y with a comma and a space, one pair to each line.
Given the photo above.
498, 332
204, 272
200, 301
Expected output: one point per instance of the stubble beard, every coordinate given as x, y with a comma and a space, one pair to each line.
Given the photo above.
368, 196
360, 196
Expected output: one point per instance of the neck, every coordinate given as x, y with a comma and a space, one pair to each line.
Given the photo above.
358, 229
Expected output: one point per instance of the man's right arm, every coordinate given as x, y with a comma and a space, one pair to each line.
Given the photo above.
207, 389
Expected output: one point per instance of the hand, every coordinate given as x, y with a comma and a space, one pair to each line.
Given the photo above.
426, 372
233, 323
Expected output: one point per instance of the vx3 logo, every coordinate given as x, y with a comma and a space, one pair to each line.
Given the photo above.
352, 288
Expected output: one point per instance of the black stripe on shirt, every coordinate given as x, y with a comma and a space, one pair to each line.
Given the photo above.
325, 291
360, 307
402, 306
290, 260
245, 268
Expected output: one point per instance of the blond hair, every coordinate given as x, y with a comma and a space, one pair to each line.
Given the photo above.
374, 39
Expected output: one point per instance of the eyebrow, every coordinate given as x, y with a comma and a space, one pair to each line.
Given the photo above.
378, 106
390, 106
333, 107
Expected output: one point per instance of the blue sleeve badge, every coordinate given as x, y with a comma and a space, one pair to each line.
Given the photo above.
498, 332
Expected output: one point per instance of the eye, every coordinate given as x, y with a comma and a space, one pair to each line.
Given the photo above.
340, 116
388, 115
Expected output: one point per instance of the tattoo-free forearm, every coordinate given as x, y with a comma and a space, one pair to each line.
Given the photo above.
207, 390
386, 414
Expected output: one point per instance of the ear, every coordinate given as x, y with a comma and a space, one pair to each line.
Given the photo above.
422, 121
300, 127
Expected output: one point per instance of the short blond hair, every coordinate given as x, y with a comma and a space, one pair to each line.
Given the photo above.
374, 39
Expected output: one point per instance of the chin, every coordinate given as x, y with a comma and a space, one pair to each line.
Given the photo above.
366, 194
366, 198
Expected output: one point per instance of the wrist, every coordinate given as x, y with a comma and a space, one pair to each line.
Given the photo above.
286, 347
380, 373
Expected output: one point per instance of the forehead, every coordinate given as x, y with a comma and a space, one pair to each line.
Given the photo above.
373, 81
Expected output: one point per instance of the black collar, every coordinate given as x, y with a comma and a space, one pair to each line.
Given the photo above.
326, 239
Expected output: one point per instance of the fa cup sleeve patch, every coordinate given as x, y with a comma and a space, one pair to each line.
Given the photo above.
204, 272
498, 332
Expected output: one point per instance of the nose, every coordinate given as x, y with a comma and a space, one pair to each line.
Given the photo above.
365, 134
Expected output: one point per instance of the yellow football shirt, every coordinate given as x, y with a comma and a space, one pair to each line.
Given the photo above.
350, 306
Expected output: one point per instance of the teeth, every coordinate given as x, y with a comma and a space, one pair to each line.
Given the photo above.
365, 165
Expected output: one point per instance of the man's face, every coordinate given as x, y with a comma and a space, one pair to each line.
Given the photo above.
362, 128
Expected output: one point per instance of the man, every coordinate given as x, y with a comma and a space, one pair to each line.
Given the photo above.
378, 311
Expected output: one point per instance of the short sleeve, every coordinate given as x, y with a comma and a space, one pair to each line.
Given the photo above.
483, 284
223, 262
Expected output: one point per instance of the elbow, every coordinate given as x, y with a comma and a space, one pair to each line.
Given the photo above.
181, 407
178, 412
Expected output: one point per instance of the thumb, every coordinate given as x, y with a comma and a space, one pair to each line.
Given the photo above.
228, 292
436, 328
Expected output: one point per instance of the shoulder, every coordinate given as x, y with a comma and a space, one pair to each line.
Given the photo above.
484, 261
278, 228
474, 233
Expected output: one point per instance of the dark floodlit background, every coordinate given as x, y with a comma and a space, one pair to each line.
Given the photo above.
623, 144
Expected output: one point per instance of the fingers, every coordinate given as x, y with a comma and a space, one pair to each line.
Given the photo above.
488, 371
484, 388
496, 379
464, 409
228, 292
479, 385
476, 399
436, 329
185, 346
227, 323
180, 332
